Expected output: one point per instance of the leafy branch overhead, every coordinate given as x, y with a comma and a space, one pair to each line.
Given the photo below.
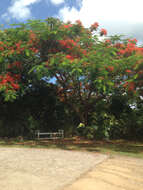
73, 57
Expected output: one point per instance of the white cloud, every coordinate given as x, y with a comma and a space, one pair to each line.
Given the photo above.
57, 2
20, 9
115, 16
129, 11
70, 14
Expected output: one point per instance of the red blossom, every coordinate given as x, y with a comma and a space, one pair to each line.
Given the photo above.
129, 49
121, 52
67, 25
79, 22
131, 86
128, 71
9, 80
94, 26
84, 52
134, 41
15, 86
30, 42
68, 43
18, 44
34, 50
110, 68
11, 52
1, 48
69, 57
103, 32
32, 35
17, 64
108, 41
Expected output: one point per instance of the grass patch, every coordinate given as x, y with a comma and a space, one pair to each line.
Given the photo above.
118, 147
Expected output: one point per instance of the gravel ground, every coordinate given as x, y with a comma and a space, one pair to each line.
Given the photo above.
43, 169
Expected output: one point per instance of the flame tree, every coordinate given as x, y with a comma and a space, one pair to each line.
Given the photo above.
84, 68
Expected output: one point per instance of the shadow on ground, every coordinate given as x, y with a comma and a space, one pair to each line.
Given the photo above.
118, 146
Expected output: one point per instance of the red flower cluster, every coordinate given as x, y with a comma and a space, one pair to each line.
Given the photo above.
94, 26
16, 48
107, 41
134, 41
79, 22
15, 86
34, 50
71, 44
9, 81
103, 32
128, 71
1, 48
129, 85
83, 51
17, 64
67, 25
33, 40
110, 68
32, 35
68, 43
129, 49
70, 57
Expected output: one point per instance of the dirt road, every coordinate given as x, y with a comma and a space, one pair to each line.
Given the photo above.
116, 173
54, 169
43, 169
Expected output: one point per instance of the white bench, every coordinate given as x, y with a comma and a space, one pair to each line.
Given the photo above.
50, 135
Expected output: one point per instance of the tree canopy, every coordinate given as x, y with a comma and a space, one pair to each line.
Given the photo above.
85, 66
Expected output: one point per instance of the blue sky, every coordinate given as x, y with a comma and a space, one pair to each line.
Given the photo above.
118, 17
20, 10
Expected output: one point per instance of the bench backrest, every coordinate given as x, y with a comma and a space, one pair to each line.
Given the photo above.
50, 135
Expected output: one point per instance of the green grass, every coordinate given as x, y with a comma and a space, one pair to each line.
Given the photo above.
120, 147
